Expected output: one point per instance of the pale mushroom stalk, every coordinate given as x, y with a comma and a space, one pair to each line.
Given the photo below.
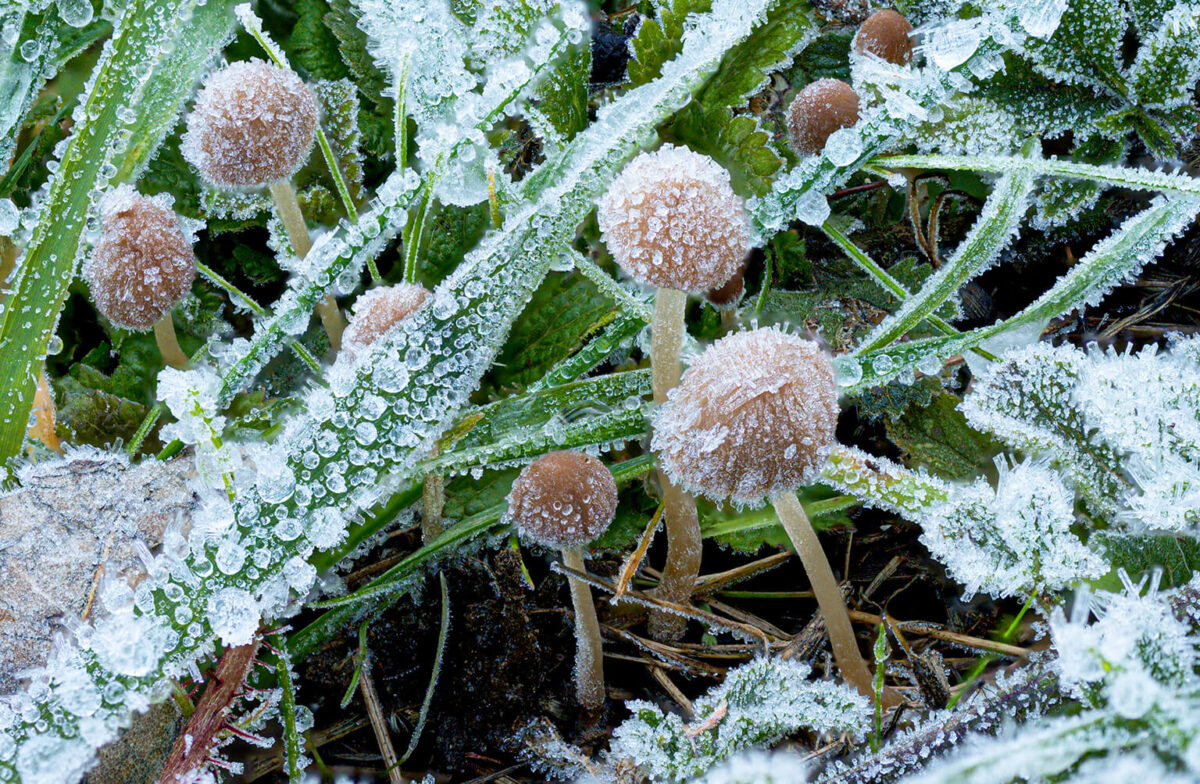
288, 208
684, 542
589, 653
825, 587
168, 343
564, 500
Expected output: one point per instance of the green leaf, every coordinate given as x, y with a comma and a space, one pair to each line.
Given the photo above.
1167, 66
339, 117
561, 110
1086, 46
659, 40
938, 438
1177, 556
312, 45
564, 313
39, 285
745, 69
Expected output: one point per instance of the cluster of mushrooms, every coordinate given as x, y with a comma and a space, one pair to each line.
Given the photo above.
752, 418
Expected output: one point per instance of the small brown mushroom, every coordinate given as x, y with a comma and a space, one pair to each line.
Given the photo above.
253, 124
672, 220
141, 265
825, 106
885, 34
753, 418
564, 500
380, 309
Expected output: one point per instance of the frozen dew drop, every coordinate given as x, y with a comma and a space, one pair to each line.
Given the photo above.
45, 759
233, 615
76, 13
843, 147
10, 217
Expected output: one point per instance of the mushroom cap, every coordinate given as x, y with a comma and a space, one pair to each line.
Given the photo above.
672, 220
825, 106
253, 123
753, 416
885, 34
727, 296
563, 499
380, 309
142, 263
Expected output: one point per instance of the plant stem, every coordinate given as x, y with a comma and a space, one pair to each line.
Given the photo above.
433, 500
684, 543
168, 344
589, 655
293, 221
829, 596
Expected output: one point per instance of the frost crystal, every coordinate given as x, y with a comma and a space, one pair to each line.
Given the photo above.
1015, 539
758, 704
143, 262
671, 219
753, 416
253, 124
378, 310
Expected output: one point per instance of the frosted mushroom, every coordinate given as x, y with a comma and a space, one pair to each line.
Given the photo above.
253, 124
141, 265
825, 106
885, 34
380, 309
564, 500
753, 418
672, 220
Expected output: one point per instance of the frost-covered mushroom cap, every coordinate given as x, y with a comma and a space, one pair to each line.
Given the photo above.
672, 220
825, 106
563, 499
885, 34
143, 262
753, 416
253, 124
380, 309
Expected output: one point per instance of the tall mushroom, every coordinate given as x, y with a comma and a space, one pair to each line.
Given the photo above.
141, 265
753, 418
253, 124
564, 500
672, 220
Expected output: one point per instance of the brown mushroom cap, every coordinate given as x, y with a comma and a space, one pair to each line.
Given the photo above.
253, 124
885, 34
753, 416
142, 263
727, 297
825, 106
563, 499
378, 310
672, 220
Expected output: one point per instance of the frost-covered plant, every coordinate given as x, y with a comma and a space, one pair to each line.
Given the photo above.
757, 704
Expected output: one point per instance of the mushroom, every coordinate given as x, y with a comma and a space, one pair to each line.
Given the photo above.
141, 265
672, 220
825, 106
564, 500
753, 418
253, 124
380, 309
726, 298
885, 34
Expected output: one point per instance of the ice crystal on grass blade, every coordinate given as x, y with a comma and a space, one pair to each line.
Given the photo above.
1014, 539
758, 704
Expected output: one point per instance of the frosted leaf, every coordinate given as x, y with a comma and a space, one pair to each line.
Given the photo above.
10, 217
234, 616
76, 13
757, 704
142, 263
759, 767
52, 760
1013, 540
253, 123
753, 416
843, 147
671, 219
951, 44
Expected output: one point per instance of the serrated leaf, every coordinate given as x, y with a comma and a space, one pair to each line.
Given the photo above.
1168, 62
746, 68
937, 437
1086, 46
312, 45
659, 40
1177, 556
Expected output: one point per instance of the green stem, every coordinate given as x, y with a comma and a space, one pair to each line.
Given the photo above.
412, 238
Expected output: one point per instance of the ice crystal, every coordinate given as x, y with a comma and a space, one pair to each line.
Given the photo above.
1015, 539
672, 220
758, 767
758, 704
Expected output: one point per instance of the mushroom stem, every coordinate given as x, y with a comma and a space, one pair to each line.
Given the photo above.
589, 661
288, 208
433, 501
684, 543
168, 344
829, 596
